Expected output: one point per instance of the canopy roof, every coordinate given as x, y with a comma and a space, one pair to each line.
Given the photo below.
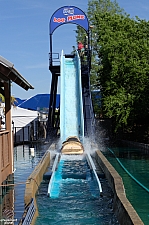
22, 117
9, 73
39, 101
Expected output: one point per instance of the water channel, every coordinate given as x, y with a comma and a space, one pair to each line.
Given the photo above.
129, 162
75, 197
133, 166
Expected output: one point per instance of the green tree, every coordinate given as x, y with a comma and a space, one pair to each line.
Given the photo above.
96, 7
123, 66
120, 61
2, 99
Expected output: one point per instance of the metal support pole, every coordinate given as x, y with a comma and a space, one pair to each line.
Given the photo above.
51, 60
23, 135
52, 104
89, 52
54, 99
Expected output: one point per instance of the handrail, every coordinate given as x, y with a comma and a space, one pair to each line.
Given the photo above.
92, 166
4, 131
54, 57
53, 173
30, 213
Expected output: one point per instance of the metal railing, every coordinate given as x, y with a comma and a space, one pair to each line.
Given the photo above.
26, 134
29, 214
54, 59
22, 134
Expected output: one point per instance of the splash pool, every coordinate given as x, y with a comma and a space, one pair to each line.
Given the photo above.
77, 200
135, 161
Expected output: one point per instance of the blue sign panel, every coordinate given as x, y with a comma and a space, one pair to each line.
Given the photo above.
68, 14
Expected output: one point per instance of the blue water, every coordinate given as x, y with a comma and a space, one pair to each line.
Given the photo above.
12, 203
57, 181
136, 163
78, 201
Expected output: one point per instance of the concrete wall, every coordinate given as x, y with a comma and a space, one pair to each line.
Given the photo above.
122, 208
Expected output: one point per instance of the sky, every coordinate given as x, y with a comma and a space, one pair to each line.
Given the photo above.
24, 37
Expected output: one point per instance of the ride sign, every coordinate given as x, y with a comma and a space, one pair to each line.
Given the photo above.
68, 14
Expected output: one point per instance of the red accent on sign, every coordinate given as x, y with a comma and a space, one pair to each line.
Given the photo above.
59, 20
75, 17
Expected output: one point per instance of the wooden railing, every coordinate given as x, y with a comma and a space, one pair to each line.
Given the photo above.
5, 155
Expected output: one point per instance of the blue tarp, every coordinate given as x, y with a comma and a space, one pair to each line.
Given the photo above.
39, 101
19, 101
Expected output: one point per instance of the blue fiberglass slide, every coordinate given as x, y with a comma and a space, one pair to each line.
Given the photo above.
71, 107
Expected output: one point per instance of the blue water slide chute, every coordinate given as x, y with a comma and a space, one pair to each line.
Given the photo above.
71, 106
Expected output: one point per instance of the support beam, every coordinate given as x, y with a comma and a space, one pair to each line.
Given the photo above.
8, 122
52, 105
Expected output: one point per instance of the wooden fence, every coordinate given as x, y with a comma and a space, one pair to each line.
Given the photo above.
5, 155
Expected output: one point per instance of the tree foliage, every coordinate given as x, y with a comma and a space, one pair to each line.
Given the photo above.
120, 61
2, 99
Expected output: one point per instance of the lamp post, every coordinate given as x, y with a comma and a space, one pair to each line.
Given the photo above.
91, 27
